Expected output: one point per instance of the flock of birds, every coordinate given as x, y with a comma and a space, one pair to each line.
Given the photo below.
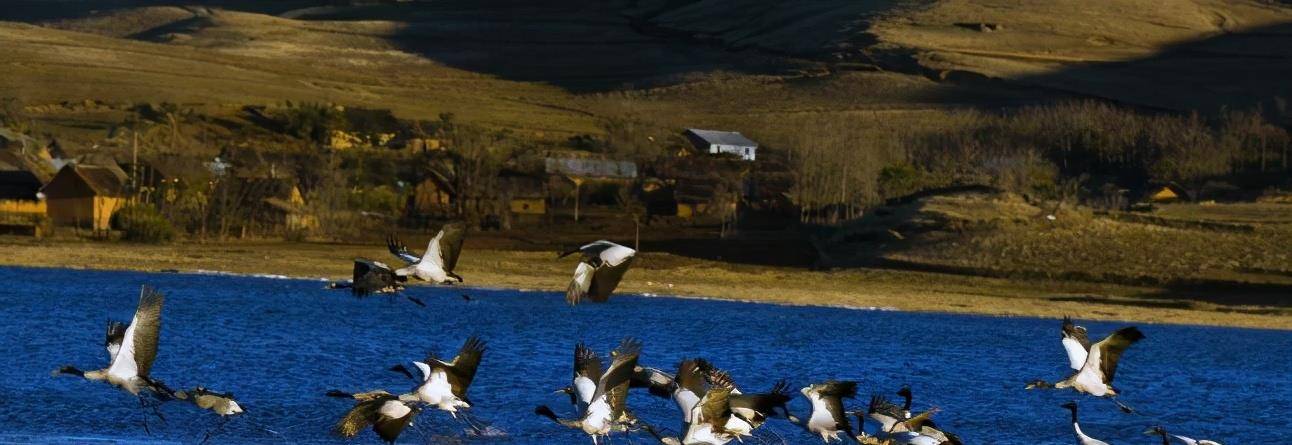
713, 409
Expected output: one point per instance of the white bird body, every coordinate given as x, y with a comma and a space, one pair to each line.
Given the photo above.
437, 263
821, 421
435, 390
430, 267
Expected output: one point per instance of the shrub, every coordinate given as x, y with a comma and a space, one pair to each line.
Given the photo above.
143, 224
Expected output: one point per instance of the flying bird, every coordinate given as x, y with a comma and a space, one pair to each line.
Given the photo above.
1166, 437
132, 351
223, 404
601, 396
444, 384
384, 413
828, 418
1095, 376
601, 267
441, 256
374, 277
1082, 438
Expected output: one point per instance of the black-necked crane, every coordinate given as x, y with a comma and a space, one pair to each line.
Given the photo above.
1082, 438
601, 267
922, 423
386, 414
685, 388
601, 395
828, 418
444, 384
441, 257
222, 404
374, 277
133, 350
749, 410
1095, 376
1166, 437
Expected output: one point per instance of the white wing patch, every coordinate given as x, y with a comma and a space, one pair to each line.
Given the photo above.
432, 262
583, 277
583, 389
424, 369
123, 363
616, 255
686, 401
1076, 353
822, 420
394, 409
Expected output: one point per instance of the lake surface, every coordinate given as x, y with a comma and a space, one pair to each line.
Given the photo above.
280, 344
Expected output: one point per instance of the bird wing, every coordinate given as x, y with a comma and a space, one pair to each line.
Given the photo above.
1076, 343
713, 407
139, 342
618, 374
371, 276
614, 254
112, 339
389, 427
690, 376
884, 412
827, 407
401, 251
587, 372
657, 382
1105, 354
606, 278
463, 368
762, 404
833, 393
359, 417
580, 284
434, 256
451, 236
425, 369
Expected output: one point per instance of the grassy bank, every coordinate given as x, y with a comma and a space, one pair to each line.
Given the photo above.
667, 274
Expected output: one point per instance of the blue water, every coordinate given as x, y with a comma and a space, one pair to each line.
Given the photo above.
280, 344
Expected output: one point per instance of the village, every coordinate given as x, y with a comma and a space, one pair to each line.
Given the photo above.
49, 188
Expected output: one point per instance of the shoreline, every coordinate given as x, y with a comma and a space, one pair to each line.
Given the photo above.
666, 275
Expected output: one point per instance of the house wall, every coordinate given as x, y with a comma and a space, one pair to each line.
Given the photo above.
528, 206
745, 152
90, 212
22, 206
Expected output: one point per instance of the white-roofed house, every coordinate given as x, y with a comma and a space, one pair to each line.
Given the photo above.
722, 142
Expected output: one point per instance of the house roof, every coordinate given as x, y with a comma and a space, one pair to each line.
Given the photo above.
599, 168
104, 180
19, 184
722, 137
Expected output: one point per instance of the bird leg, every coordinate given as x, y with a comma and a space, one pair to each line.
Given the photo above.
1122, 406
219, 427
468, 419
415, 300
144, 416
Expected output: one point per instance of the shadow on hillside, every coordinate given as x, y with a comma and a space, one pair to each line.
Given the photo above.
1239, 70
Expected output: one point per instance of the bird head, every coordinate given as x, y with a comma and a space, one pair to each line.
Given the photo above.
1155, 430
1071, 405
234, 408
905, 391
1037, 384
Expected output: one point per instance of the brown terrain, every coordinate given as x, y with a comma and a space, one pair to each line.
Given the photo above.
549, 70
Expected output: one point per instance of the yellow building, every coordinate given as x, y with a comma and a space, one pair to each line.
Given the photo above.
22, 208
85, 196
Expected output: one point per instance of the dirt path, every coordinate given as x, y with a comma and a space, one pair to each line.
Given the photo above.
664, 274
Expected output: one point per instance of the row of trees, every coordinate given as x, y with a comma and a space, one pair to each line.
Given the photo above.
1060, 151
